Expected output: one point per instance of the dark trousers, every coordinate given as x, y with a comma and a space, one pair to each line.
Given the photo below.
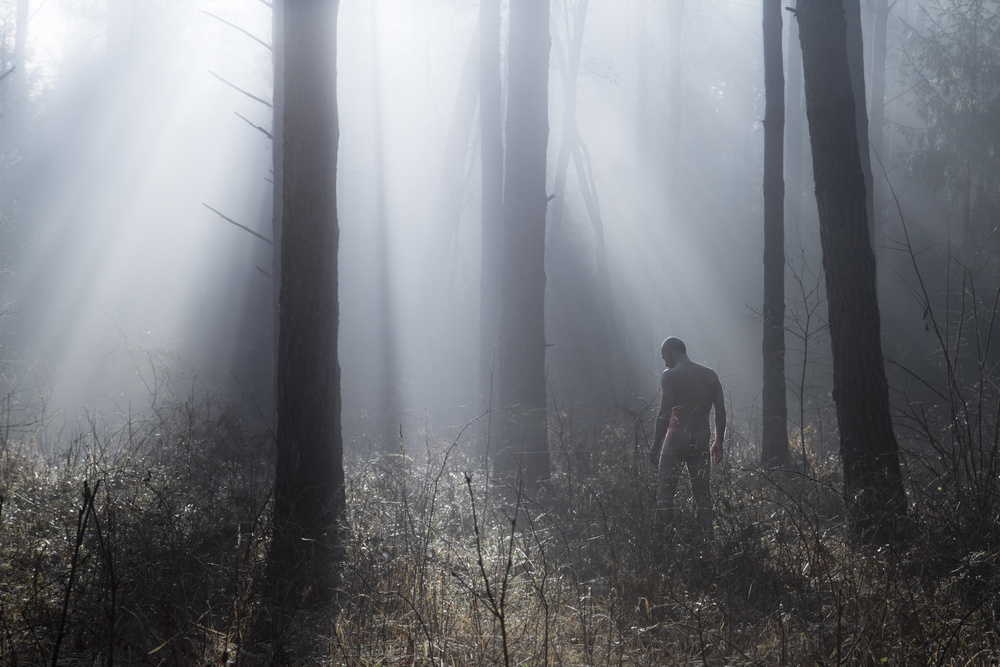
678, 450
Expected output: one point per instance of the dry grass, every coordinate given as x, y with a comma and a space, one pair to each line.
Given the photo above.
445, 566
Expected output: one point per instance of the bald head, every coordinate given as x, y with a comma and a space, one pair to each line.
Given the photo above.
673, 344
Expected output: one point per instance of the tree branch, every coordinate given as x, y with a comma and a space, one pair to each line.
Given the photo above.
253, 125
235, 87
243, 227
8, 72
236, 27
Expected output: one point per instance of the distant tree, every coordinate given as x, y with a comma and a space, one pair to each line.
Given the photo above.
491, 203
385, 367
954, 72
309, 476
774, 440
524, 429
876, 108
675, 69
581, 304
872, 480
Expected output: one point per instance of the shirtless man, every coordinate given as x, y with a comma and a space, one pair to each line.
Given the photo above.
689, 391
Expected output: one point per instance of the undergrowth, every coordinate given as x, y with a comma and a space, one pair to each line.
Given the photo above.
144, 546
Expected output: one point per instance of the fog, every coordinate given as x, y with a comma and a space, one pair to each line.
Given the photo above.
122, 285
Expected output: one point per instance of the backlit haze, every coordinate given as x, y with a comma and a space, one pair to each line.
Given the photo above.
121, 284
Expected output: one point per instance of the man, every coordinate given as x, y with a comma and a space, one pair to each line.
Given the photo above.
689, 391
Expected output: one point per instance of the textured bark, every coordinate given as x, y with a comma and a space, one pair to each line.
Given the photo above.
794, 132
869, 453
856, 64
491, 157
524, 434
309, 476
774, 441
876, 115
277, 154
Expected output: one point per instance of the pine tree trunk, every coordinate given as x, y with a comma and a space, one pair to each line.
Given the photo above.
876, 116
872, 480
385, 367
524, 433
774, 442
491, 157
856, 64
309, 476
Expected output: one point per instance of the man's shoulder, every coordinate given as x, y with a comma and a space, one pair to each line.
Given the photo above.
708, 372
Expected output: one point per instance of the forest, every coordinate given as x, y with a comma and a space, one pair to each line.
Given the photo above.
330, 332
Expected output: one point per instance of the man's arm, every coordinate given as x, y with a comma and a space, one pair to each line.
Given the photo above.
662, 418
720, 421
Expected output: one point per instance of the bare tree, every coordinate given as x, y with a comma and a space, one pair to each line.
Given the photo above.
869, 452
309, 475
524, 431
491, 156
774, 441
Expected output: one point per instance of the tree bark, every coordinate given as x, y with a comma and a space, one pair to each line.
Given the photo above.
794, 133
876, 115
524, 433
277, 157
309, 476
872, 481
774, 441
856, 64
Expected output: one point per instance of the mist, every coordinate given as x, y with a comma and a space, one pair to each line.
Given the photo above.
142, 134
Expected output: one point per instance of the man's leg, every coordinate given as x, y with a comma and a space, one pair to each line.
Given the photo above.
668, 477
699, 465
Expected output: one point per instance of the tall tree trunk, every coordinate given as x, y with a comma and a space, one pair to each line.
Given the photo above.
856, 63
524, 434
595, 306
386, 370
675, 69
641, 99
309, 475
774, 442
876, 116
491, 160
451, 189
277, 156
869, 453
794, 132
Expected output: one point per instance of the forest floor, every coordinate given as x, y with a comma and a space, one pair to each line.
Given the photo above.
145, 545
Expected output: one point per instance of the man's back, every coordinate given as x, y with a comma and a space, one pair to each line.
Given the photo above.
695, 388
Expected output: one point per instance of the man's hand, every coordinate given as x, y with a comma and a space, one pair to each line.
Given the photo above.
716, 451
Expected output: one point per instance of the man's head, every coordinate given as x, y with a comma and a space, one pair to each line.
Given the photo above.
672, 351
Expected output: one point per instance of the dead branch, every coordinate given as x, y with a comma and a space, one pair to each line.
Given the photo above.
233, 222
236, 27
254, 125
235, 87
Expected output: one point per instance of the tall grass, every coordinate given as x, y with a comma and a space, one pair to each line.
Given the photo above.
444, 565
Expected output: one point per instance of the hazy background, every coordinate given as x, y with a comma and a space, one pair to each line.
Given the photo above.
120, 284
